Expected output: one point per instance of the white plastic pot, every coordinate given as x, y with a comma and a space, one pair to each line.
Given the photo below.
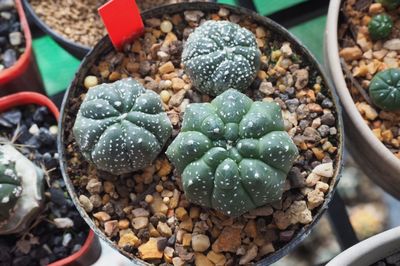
378, 162
371, 250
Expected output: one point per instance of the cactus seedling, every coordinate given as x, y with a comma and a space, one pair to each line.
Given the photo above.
389, 4
21, 191
121, 127
220, 55
380, 27
233, 153
384, 89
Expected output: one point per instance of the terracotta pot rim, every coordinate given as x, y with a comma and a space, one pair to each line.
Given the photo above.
104, 45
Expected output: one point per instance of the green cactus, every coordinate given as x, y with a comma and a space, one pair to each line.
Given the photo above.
121, 127
380, 27
233, 153
389, 4
220, 55
21, 191
10, 187
384, 89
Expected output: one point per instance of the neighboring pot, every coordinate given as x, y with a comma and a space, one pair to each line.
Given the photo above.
374, 158
91, 249
105, 46
371, 250
24, 73
76, 49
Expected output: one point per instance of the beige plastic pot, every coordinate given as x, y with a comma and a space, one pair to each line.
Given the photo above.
370, 250
373, 157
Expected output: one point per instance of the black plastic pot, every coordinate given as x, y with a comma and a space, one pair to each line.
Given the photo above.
76, 49
105, 46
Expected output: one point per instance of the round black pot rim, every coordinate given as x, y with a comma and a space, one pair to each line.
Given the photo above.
105, 46
76, 49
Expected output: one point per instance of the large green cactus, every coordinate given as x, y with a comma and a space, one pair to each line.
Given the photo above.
221, 55
384, 89
233, 153
121, 127
21, 191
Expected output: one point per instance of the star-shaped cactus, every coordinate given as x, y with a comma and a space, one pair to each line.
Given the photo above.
220, 55
121, 127
233, 153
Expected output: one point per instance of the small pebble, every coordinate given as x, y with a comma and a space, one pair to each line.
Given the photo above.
90, 81
166, 26
165, 96
149, 198
63, 222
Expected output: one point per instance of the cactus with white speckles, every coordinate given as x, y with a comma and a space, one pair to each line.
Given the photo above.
121, 127
220, 55
233, 153
21, 191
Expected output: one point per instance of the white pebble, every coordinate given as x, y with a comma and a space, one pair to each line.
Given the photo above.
325, 169
63, 222
34, 130
166, 26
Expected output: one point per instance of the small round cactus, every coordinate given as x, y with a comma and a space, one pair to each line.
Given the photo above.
380, 27
21, 191
389, 4
220, 55
384, 89
121, 127
233, 153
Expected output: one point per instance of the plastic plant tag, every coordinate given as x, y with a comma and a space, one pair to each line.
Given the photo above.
122, 20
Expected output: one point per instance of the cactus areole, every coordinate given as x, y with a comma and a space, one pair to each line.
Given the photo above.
121, 127
220, 55
21, 191
233, 153
384, 89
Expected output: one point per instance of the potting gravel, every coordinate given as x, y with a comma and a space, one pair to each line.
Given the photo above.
363, 58
51, 236
146, 214
79, 20
12, 40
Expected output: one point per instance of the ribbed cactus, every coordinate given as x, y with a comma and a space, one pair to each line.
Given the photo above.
21, 190
380, 26
220, 55
121, 127
233, 153
384, 89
